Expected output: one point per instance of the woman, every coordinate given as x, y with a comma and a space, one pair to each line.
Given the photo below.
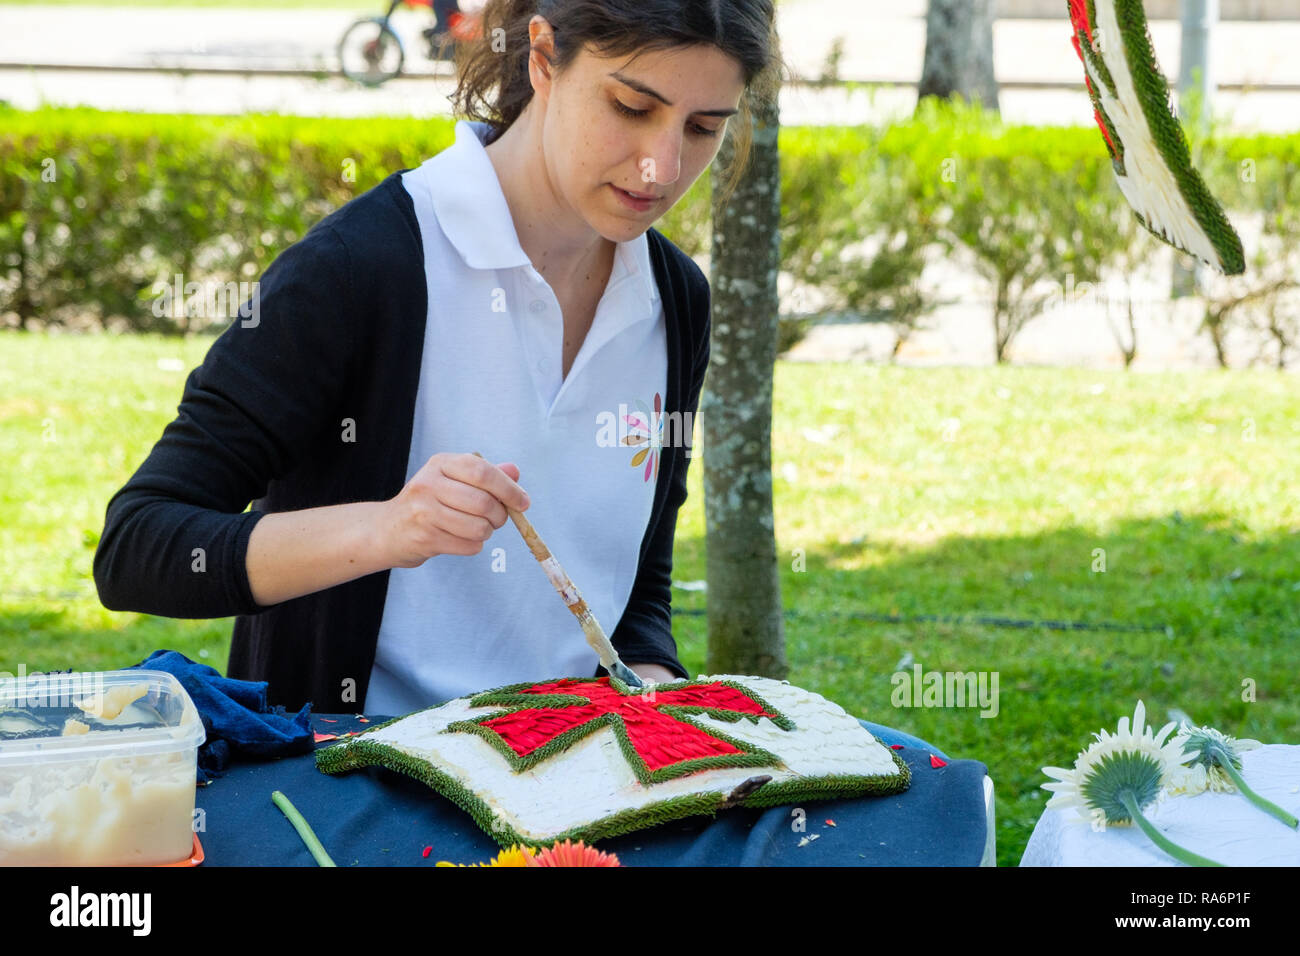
509, 296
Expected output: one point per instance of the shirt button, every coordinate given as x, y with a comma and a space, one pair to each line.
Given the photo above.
538, 305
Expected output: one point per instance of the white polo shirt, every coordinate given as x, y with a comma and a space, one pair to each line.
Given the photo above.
490, 381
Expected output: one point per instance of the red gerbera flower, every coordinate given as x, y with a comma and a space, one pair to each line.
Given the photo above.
574, 854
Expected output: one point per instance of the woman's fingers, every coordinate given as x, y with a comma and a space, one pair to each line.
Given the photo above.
481, 473
467, 500
451, 506
472, 528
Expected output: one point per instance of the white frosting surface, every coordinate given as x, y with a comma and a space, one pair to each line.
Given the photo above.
592, 779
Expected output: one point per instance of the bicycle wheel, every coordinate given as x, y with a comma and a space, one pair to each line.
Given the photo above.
370, 52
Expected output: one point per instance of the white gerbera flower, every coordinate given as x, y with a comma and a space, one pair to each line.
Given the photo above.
1133, 742
1122, 774
1201, 748
1213, 762
1188, 781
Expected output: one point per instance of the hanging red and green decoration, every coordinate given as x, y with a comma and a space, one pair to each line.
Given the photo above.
589, 758
1148, 149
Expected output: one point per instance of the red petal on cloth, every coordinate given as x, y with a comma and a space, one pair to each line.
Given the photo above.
895, 746
937, 762
830, 823
363, 720
427, 851
326, 720
321, 737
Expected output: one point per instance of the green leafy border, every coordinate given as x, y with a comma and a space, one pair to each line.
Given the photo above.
363, 753
1167, 133
358, 752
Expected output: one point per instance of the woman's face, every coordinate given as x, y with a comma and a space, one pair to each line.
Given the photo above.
647, 127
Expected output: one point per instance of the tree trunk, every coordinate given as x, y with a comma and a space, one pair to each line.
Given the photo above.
22, 299
1215, 323
1130, 353
959, 51
1279, 333
1001, 322
746, 630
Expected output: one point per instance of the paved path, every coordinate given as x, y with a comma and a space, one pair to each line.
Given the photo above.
882, 41
1078, 332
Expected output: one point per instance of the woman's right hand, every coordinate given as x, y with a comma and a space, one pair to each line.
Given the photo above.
451, 506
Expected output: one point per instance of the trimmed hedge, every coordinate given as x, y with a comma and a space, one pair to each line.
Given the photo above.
95, 208
98, 208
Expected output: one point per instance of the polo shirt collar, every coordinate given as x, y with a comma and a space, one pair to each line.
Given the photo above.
475, 217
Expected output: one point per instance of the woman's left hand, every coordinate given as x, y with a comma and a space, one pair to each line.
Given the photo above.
653, 672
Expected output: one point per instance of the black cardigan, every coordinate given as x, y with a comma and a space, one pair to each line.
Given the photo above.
339, 335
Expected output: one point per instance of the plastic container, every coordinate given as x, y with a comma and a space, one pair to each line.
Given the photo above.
107, 783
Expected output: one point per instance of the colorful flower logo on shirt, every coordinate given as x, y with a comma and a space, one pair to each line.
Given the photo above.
647, 429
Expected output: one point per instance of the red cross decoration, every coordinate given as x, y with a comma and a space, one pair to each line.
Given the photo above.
548, 718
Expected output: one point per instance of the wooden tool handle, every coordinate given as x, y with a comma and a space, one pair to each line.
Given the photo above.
591, 629
559, 578
530, 535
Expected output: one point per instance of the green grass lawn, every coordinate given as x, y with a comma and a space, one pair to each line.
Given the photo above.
958, 493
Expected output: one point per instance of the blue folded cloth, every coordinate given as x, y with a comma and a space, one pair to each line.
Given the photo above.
235, 715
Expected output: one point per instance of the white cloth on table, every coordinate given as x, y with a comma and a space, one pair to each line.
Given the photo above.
1225, 827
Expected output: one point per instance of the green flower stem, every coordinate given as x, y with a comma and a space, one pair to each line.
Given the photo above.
304, 831
1268, 806
1158, 838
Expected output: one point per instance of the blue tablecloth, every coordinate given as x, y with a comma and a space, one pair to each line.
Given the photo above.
376, 817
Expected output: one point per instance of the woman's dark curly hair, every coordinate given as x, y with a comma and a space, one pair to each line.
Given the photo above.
494, 87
